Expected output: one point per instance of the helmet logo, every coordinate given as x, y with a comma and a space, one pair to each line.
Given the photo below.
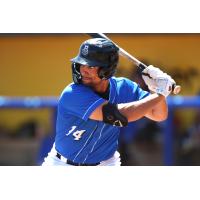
85, 50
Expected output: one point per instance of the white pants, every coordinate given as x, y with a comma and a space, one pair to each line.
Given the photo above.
52, 160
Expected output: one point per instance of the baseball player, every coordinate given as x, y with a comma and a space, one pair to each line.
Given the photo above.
93, 108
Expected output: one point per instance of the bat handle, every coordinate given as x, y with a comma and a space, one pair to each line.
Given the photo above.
142, 66
175, 88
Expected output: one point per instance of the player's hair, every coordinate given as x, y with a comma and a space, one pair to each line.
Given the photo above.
96, 52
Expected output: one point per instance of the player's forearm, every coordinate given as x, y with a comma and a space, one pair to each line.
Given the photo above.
159, 111
138, 109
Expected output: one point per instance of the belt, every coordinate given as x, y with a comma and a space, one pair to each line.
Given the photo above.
73, 163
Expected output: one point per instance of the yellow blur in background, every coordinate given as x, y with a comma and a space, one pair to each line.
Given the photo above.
39, 64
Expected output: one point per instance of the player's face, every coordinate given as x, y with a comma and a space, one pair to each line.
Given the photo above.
89, 75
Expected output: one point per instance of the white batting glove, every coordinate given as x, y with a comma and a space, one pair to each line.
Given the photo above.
151, 83
157, 81
164, 86
152, 71
161, 86
149, 74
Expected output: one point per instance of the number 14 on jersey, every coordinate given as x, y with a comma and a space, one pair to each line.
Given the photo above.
77, 134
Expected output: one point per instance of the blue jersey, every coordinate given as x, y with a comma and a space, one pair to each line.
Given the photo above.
81, 139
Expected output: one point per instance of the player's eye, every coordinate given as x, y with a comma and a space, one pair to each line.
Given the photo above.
91, 67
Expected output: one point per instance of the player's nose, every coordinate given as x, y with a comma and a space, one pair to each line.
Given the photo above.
84, 69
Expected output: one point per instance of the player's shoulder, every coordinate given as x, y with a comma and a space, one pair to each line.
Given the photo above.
75, 88
74, 91
122, 81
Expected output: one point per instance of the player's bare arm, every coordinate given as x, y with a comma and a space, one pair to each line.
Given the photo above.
159, 112
154, 107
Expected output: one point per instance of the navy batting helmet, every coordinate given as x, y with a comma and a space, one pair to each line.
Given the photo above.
97, 52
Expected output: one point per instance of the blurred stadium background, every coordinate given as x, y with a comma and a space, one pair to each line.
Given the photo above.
34, 69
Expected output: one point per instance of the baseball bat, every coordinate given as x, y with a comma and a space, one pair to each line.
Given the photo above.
175, 88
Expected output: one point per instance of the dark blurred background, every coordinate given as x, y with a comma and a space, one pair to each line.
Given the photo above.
34, 69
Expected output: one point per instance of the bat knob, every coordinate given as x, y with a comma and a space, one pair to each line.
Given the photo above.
176, 89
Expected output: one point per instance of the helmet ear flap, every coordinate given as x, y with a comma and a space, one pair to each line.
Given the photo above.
76, 74
106, 73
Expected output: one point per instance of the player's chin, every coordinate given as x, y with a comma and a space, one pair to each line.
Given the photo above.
86, 81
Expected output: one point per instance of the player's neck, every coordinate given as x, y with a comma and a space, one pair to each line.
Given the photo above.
102, 87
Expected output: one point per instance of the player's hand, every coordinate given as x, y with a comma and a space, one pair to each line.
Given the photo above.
152, 72
149, 74
161, 85
157, 81
164, 86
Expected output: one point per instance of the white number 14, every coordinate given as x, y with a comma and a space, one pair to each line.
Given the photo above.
77, 134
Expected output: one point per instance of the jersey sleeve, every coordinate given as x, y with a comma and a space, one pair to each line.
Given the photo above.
139, 92
133, 91
79, 101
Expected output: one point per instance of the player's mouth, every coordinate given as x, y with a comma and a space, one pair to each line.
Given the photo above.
86, 78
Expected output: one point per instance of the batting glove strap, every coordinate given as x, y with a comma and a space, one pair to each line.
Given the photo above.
164, 86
